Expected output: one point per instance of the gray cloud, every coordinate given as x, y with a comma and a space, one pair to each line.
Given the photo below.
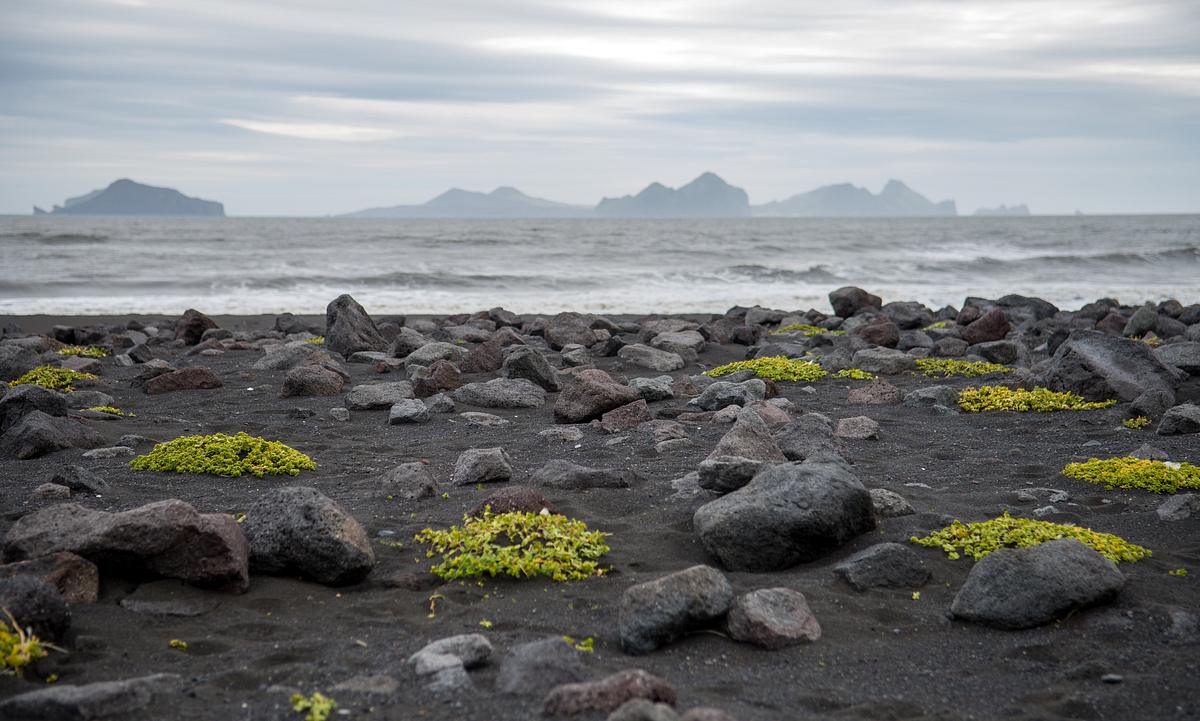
315, 107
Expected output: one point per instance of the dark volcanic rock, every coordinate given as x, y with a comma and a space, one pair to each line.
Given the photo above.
481, 465
16, 361
788, 514
881, 332
348, 328
849, 300
1099, 366
884, 565
773, 618
630, 415
191, 326
1027, 587
749, 438
378, 396
607, 693
727, 473
37, 434
560, 473
300, 529
657, 612
589, 395
538, 666
66, 702
167, 538
502, 393
312, 380
1184, 356
75, 578
525, 362
992, 325
184, 379
875, 393
725, 393
568, 328
1181, 419
24, 399
522, 499
908, 315
36, 605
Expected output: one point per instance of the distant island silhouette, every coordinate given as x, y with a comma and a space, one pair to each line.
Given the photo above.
125, 197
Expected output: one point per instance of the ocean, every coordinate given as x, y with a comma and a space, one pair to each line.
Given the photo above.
77, 266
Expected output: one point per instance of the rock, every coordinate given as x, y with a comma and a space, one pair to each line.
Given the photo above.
80, 399
639, 709
35, 605
789, 513
808, 437
1150, 453
440, 403
16, 361
591, 394
657, 612
930, 396
749, 438
654, 359
992, 325
407, 341
884, 565
889, 504
773, 618
299, 529
727, 473
312, 380
1182, 419
378, 396
38, 434
481, 465
849, 300
409, 410
191, 326
1144, 320
858, 428
684, 343
339, 414
884, 361
608, 693
66, 702
348, 328
625, 417
1004, 352
560, 473
169, 598
774, 415
1178, 507
723, 393
292, 355
1027, 587
574, 356
1184, 356
950, 347
908, 315
561, 434
536, 667
167, 538
185, 379
22, 400
879, 332
110, 452
1098, 366
521, 361
875, 393
51, 492
75, 578
502, 393
911, 339
410, 481
486, 420
568, 328
508, 499
472, 650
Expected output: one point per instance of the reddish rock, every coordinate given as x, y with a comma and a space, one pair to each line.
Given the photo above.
184, 379
849, 300
607, 693
191, 326
1113, 323
880, 332
969, 314
773, 618
992, 325
521, 499
441, 375
590, 394
567, 329
75, 578
312, 380
876, 393
630, 415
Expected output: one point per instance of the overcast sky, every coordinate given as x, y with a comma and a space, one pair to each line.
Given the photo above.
300, 107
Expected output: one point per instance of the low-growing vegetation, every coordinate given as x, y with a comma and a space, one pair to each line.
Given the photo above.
1128, 473
87, 351
806, 329
316, 340
776, 368
857, 374
18, 647
55, 379
979, 539
318, 706
110, 410
946, 367
1135, 424
937, 325
224, 455
1038, 400
521, 545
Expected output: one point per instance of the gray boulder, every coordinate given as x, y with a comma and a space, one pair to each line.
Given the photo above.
521, 361
430, 352
560, 473
24, 399
684, 343
66, 702
348, 328
409, 410
720, 394
16, 360
1184, 356
884, 565
930, 396
407, 341
37, 434
789, 513
481, 465
653, 359
501, 393
884, 361
1180, 420
292, 355
300, 529
36, 605
536, 667
723, 474
1027, 587
773, 618
378, 396
1099, 366
410, 481
657, 612
809, 437
749, 438
849, 300
589, 395
567, 329
654, 389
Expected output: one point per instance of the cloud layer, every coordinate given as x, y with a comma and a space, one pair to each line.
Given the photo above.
300, 107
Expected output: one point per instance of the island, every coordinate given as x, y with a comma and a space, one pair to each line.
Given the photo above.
126, 197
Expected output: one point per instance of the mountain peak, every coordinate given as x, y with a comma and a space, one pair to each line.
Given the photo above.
128, 197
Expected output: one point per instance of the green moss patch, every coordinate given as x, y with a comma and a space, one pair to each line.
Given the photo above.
946, 367
1038, 400
316, 340
1135, 424
224, 455
87, 351
776, 368
979, 539
56, 379
857, 374
1127, 473
806, 329
521, 545
110, 410
18, 647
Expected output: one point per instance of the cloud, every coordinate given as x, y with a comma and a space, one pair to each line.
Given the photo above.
315, 131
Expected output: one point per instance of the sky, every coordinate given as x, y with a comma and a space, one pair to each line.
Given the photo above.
299, 107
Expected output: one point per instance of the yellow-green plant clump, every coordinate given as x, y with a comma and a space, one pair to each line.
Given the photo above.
1138, 423
857, 374
225, 455
56, 379
87, 351
18, 647
776, 368
946, 367
521, 545
1038, 400
110, 410
979, 539
937, 326
806, 329
1128, 473
319, 706
316, 340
